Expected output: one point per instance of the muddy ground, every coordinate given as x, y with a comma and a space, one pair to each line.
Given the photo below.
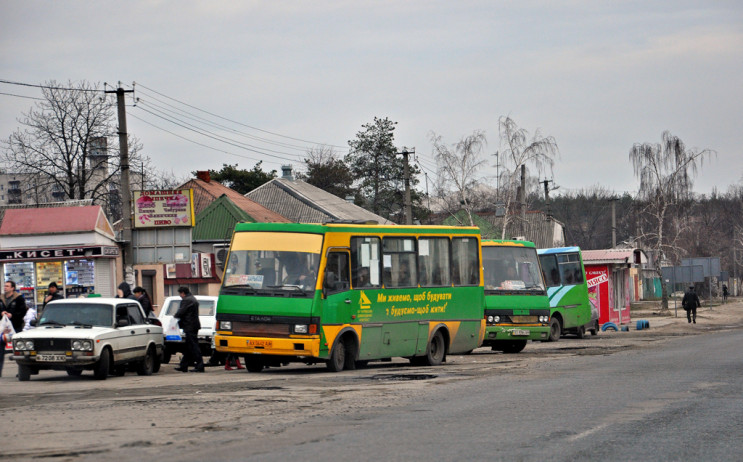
57, 417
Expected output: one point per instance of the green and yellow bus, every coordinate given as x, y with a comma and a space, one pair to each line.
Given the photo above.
347, 294
516, 305
570, 309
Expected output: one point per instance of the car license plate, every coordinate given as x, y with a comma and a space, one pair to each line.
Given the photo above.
51, 358
260, 343
520, 332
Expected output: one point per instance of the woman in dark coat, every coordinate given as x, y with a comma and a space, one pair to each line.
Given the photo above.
144, 299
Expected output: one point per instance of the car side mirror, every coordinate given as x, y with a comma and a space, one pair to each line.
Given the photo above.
33, 323
122, 322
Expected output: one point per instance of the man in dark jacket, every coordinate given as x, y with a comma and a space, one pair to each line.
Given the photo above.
52, 295
690, 303
188, 321
14, 306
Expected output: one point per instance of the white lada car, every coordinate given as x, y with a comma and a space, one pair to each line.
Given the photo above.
105, 335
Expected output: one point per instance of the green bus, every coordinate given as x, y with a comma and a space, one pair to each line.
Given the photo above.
565, 275
516, 305
346, 294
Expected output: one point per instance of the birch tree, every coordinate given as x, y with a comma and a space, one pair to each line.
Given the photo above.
519, 148
457, 169
666, 171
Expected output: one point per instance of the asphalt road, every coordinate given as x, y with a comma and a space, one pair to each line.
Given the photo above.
651, 398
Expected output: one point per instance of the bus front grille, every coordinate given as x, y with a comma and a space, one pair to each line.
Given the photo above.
256, 329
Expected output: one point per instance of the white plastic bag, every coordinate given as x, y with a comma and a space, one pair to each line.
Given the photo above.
7, 331
172, 331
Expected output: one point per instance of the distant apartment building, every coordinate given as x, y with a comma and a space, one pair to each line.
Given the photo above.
32, 189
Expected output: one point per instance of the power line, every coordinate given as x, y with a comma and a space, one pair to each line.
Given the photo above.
240, 123
194, 142
21, 96
10, 82
217, 138
196, 118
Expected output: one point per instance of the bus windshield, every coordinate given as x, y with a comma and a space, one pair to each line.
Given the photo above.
271, 261
511, 269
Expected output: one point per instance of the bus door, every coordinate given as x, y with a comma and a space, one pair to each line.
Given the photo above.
338, 308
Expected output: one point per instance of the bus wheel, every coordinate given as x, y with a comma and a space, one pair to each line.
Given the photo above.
555, 330
337, 357
436, 350
595, 329
253, 364
514, 346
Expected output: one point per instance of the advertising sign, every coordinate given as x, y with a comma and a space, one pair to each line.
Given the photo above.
597, 278
163, 208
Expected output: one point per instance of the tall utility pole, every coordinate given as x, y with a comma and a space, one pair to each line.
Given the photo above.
126, 195
406, 173
547, 197
523, 200
613, 201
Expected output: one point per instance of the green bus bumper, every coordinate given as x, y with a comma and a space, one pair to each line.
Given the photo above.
513, 332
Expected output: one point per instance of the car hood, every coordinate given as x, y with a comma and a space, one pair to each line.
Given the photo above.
64, 332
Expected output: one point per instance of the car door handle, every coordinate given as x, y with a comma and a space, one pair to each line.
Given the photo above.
131, 332
148, 331
348, 301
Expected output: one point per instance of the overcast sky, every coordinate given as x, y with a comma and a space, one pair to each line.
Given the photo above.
597, 76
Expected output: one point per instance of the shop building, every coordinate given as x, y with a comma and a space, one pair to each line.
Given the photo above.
73, 246
614, 280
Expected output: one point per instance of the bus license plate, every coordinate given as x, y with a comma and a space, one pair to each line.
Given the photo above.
260, 343
520, 332
51, 358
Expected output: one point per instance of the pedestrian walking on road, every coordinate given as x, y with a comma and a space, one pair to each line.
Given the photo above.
724, 293
188, 320
690, 303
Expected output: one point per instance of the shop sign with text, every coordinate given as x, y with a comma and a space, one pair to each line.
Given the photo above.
163, 208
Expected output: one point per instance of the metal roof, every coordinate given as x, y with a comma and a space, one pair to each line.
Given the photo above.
301, 202
204, 193
56, 220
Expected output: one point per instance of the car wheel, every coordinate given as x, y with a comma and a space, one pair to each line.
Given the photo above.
555, 330
513, 346
581, 333
24, 373
101, 369
435, 350
73, 372
147, 365
156, 365
119, 371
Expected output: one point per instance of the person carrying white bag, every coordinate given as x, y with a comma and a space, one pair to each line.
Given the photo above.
6, 336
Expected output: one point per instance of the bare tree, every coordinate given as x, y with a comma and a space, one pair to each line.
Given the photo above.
519, 149
64, 144
666, 172
457, 171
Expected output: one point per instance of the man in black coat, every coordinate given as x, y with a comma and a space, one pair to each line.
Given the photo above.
188, 321
14, 306
690, 302
52, 294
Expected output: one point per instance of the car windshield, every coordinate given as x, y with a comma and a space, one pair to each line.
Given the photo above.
259, 269
206, 307
511, 268
92, 314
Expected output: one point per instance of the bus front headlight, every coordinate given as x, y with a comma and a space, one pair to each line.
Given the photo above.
225, 325
300, 328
